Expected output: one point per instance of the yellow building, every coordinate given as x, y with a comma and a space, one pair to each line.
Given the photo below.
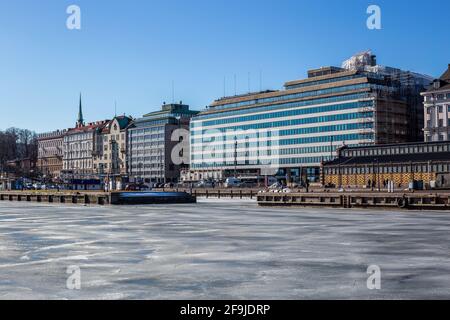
110, 152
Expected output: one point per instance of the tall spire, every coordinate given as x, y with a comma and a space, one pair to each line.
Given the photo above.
80, 121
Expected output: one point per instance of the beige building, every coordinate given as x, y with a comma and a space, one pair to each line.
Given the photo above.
110, 153
50, 154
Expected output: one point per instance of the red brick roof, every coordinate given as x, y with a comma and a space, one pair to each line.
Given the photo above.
89, 127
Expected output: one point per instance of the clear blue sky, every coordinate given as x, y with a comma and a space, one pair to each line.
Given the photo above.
131, 51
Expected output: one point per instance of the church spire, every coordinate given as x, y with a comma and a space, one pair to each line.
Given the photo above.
80, 121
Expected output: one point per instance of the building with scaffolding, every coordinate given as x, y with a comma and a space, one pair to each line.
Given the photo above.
410, 85
294, 130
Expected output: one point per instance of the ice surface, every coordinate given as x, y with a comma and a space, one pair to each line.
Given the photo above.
219, 249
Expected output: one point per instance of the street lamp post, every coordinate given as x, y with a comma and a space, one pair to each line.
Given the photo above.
378, 172
235, 157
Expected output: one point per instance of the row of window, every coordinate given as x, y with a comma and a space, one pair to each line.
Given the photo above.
229, 154
78, 137
370, 169
78, 146
439, 96
147, 144
159, 173
259, 162
323, 81
148, 159
146, 165
340, 139
275, 124
288, 113
146, 138
50, 143
195, 122
113, 137
81, 164
439, 109
77, 154
147, 151
410, 149
295, 96
102, 166
136, 132
440, 123
438, 137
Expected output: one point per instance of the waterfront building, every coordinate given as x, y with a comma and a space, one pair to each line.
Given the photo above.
437, 109
297, 128
110, 153
151, 142
427, 164
50, 154
79, 144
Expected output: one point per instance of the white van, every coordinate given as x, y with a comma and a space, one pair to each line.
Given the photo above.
232, 182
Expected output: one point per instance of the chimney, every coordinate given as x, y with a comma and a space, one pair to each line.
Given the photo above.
373, 60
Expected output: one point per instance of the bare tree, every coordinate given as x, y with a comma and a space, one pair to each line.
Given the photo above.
17, 144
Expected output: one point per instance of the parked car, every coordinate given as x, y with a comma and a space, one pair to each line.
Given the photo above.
276, 186
29, 186
247, 184
271, 180
232, 183
204, 184
136, 187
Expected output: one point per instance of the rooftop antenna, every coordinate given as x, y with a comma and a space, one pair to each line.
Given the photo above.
235, 91
115, 108
248, 80
224, 89
173, 91
260, 80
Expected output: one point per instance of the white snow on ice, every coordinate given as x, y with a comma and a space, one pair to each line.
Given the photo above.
221, 249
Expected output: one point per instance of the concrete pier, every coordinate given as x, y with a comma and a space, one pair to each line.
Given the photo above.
98, 198
56, 197
358, 200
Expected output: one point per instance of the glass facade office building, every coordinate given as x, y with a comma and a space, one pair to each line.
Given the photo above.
294, 130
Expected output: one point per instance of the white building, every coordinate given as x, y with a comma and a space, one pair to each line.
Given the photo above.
78, 149
437, 109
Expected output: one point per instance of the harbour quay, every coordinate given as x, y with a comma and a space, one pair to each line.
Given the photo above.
99, 198
415, 201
